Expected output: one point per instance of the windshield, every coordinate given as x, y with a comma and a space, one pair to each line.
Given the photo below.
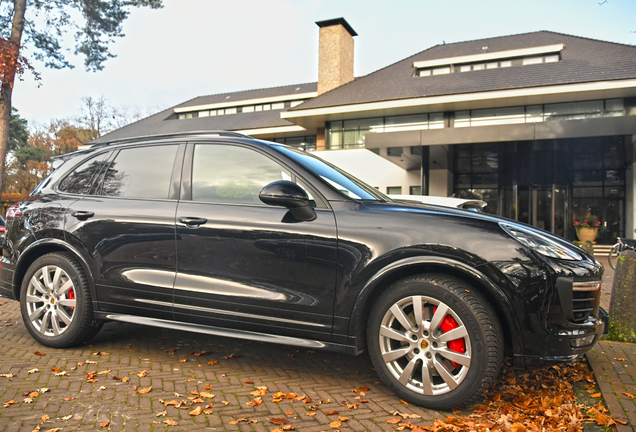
343, 182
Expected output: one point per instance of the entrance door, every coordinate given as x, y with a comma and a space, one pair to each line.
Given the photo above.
543, 207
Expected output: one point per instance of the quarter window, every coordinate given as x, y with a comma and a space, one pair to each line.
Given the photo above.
80, 179
235, 175
142, 172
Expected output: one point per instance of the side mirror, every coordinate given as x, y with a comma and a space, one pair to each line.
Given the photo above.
284, 193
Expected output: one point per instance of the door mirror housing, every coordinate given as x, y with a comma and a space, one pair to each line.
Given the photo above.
284, 193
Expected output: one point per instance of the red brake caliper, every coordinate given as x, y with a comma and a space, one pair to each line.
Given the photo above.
70, 294
457, 345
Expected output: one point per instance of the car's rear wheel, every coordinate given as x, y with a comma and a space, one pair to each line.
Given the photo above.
55, 302
435, 341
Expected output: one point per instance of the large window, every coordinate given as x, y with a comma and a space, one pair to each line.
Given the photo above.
80, 180
477, 174
307, 143
351, 133
540, 113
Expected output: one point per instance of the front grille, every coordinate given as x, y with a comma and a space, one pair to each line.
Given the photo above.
585, 299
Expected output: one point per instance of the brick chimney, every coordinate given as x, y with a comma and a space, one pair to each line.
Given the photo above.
335, 54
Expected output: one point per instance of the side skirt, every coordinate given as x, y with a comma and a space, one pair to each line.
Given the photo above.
238, 334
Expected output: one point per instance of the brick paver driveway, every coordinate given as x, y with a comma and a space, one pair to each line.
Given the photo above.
78, 400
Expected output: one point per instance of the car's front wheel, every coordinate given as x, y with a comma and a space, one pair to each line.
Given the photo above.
435, 341
55, 302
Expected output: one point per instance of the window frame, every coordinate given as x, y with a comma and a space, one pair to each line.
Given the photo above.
94, 179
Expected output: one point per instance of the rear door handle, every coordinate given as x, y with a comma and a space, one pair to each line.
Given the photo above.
192, 222
83, 215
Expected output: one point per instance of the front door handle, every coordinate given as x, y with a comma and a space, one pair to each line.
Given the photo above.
83, 215
192, 222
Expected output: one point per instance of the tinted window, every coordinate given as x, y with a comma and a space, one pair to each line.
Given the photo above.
142, 172
228, 174
80, 179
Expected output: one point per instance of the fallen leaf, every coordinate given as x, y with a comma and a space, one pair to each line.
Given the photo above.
104, 424
7, 375
595, 395
331, 412
142, 374
278, 421
248, 382
335, 424
34, 370
144, 390
67, 417
195, 412
40, 353
207, 412
404, 402
63, 373
69, 399
395, 420
162, 414
206, 395
170, 422
213, 362
289, 413
100, 353
183, 360
43, 389
9, 403
620, 359
629, 395
310, 414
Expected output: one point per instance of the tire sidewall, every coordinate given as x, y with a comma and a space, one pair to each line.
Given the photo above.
68, 337
479, 362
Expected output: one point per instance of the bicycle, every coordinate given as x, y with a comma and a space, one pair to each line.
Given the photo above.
622, 244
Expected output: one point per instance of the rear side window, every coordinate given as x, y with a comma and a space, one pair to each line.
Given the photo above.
81, 178
142, 172
229, 174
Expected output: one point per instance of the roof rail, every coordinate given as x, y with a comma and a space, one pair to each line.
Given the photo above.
218, 133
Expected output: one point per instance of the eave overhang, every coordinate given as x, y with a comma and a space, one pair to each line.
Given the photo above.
316, 117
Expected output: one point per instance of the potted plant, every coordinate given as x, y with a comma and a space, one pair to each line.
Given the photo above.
587, 229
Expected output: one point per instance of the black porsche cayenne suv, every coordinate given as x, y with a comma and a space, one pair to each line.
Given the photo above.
224, 234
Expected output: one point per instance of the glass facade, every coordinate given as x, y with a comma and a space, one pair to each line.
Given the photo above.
307, 143
351, 133
549, 184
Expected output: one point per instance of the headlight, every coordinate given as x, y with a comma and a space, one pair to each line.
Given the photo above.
538, 243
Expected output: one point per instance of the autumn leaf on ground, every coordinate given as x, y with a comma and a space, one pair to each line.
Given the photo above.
248, 382
595, 395
105, 424
40, 353
289, 413
255, 402
162, 414
231, 356
620, 359
225, 402
7, 375
34, 370
404, 402
310, 414
63, 373
195, 412
69, 399
27, 400
183, 360
142, 374
335, 424
395, 420
100, 353
206, 395
9, 403
144, 390
621, 422
278, 421
170, 422
629, 395
103, 372
66, 417
213, 362
331, 412
171, 350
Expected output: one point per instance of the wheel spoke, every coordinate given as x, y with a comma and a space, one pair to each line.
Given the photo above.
45, 322
438, 316
64, 317
408, 371
458, 333
417, 311
393, 334
427, 381
390, 356
55, 323
34, 299
462, 359
64, 288
403, 319
68, 302
56, 279
445, 374
38, 286
37, 313
46, 277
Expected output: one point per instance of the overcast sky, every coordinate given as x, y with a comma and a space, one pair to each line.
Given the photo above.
192, 48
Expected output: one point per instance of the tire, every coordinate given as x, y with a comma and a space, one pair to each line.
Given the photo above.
55, 302
413, 356
612, 258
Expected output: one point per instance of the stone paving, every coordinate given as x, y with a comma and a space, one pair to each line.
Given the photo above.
124, 350
98, 383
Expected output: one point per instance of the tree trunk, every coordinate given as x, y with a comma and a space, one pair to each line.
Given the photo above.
622, 317
19, 7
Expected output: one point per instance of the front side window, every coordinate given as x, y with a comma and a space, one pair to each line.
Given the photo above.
233, 175
141, 172
80, 179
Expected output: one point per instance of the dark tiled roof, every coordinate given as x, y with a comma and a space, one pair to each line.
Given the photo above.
583, 60
166, 121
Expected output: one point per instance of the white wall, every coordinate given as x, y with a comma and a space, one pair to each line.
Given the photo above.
371, 168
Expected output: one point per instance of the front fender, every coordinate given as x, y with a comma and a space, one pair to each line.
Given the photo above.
414, 265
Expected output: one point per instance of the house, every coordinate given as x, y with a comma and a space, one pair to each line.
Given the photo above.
540, 125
